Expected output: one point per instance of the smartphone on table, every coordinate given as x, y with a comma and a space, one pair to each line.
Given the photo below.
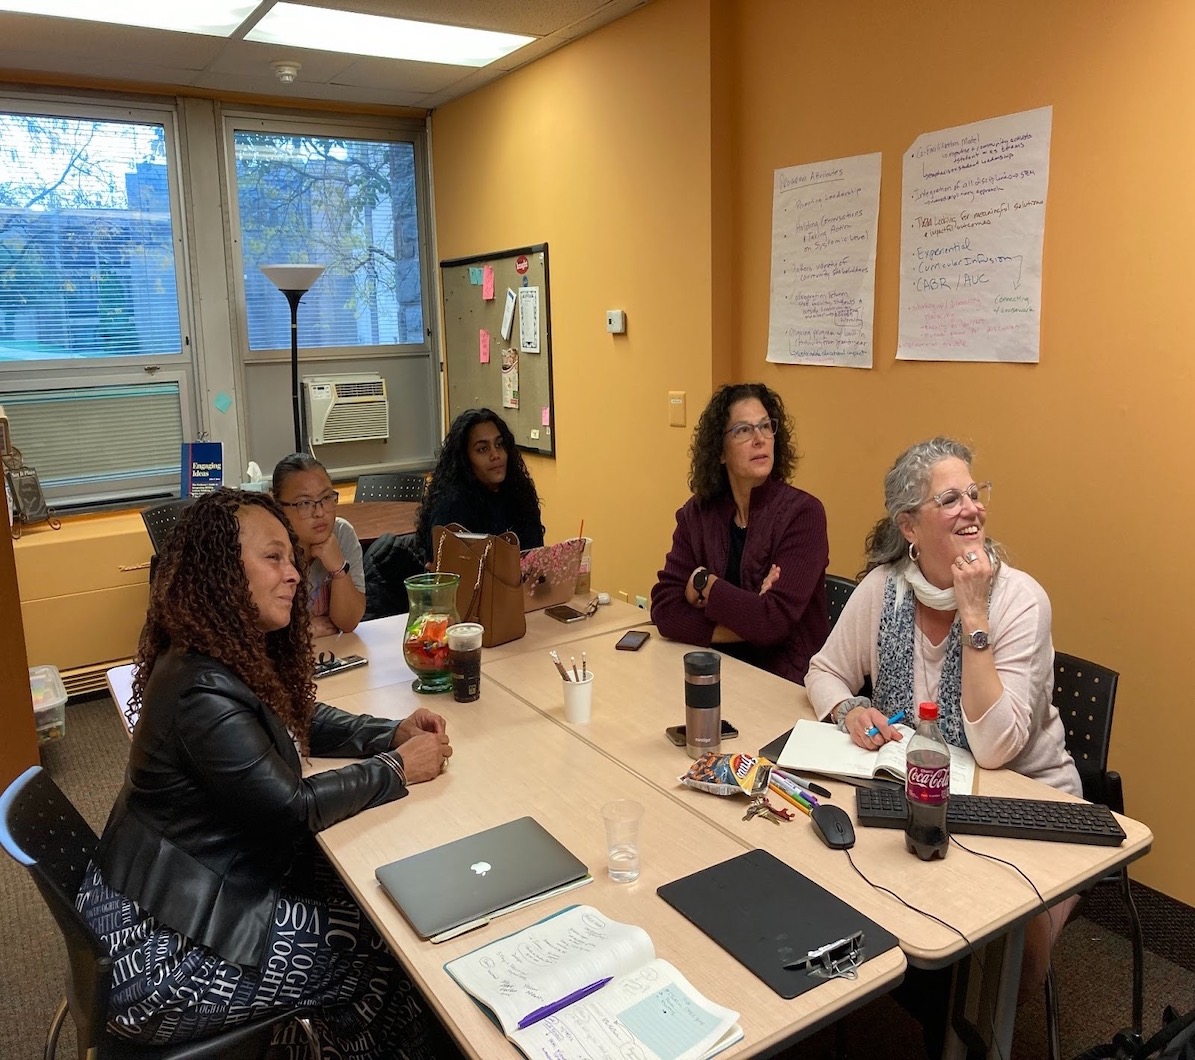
564, 613
633, 640
676, 733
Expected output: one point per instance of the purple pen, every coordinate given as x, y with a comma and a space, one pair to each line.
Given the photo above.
564, 1002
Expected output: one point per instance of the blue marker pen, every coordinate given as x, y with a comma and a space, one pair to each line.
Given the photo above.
898, 716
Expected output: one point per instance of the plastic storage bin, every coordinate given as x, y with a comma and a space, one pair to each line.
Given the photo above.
49, 702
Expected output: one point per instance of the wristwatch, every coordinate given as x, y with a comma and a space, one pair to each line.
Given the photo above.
700, 581
979, 640
342, 570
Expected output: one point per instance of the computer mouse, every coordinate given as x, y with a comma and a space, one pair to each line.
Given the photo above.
834, 826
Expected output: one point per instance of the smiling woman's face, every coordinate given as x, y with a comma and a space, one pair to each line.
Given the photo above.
940, 537
269, 567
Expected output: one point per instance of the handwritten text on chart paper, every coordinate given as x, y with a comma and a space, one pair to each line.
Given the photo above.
824, 218
972, 227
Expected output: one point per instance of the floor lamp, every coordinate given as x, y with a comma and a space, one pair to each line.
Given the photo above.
294, 281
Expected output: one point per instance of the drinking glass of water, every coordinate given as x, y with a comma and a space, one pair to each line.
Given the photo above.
622, 817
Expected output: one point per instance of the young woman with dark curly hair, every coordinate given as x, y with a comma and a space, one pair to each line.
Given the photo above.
746, 572
482, 483
207, 886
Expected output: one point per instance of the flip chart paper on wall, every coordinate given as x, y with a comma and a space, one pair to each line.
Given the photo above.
487, 282
508, 315
972, 224
484, 344
824, 217
529, 320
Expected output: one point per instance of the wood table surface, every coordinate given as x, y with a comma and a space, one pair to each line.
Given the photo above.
371, 519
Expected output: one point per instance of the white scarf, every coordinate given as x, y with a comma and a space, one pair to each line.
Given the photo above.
908, 576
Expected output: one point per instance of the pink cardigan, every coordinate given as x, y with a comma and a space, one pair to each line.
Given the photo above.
1021, 730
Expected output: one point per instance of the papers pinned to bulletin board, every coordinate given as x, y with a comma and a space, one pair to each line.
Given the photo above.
501, 301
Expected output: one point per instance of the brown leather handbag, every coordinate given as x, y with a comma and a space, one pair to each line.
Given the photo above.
491, 588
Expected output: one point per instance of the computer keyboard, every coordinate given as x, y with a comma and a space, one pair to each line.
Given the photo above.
1056, 822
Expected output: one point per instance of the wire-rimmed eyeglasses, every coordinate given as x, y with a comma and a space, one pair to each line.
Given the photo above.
740, 433
951, 500
308, 508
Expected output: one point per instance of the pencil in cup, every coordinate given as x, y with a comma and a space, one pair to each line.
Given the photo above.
559, 665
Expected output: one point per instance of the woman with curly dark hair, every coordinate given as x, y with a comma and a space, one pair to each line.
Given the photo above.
207, 887
746, 572
482, 483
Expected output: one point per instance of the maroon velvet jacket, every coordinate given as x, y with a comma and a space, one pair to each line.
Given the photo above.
790, 622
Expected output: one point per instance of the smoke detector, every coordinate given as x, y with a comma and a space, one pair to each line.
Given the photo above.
286, 70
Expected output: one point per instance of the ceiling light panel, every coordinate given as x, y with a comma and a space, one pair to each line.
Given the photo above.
299, 26
213, 18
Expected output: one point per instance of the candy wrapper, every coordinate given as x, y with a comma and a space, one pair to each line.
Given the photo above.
729, 774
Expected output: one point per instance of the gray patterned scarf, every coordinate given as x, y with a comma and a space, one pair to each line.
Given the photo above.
896, 648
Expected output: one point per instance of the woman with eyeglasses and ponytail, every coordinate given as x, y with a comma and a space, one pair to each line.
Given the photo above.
747, 568
335, 573
941, 616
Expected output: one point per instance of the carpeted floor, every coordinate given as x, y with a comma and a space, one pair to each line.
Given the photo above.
1091, 960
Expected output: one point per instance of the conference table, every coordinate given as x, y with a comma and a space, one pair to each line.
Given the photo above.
511, 761
371, 519
637, 694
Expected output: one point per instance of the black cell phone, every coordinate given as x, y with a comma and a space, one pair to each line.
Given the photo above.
676, 733
633, 640
334, 665
564, 613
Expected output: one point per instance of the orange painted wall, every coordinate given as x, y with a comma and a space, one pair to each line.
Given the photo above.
1090, 449
602, 150
656, 140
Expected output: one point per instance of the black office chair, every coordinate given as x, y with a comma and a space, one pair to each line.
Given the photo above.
395, 487
388, 562
41, 830
838, 591
1085, 695
160, 520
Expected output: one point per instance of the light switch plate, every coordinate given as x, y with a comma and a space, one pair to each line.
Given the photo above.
676, 408
616, 322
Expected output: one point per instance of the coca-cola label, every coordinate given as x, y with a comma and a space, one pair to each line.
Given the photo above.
928, 784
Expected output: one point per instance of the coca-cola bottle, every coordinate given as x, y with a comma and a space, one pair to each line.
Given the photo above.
927, 787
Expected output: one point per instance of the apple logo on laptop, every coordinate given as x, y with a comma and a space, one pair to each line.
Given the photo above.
481, 867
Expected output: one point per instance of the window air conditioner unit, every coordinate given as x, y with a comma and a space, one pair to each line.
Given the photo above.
346, 408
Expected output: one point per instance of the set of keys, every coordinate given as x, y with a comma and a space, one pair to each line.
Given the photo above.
760, 807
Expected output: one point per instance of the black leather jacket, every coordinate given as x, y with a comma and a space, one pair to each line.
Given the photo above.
214, 802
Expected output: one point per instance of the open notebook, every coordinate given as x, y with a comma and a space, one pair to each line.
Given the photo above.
581, 985
817, 747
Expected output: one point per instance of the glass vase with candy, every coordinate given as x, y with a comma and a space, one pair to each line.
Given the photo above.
432, 599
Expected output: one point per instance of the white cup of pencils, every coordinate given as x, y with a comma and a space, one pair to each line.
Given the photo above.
577, 679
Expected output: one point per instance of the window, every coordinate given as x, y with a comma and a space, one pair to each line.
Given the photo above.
346, 203
94, 374
86, 240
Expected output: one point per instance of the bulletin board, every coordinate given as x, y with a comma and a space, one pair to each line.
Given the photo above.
493, 362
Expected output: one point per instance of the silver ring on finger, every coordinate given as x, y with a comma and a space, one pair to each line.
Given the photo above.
971, 557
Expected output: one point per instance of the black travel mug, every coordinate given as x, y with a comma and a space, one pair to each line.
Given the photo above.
703, 702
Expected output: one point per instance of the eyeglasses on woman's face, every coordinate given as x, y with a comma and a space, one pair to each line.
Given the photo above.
309, 506
741, 433
951, 501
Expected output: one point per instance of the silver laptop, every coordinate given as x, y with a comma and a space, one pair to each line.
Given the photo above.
481, 875
550, 573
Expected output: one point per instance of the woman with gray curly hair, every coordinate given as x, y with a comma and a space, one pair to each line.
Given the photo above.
942, 616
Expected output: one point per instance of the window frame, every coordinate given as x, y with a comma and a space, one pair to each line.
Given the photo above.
291, 123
